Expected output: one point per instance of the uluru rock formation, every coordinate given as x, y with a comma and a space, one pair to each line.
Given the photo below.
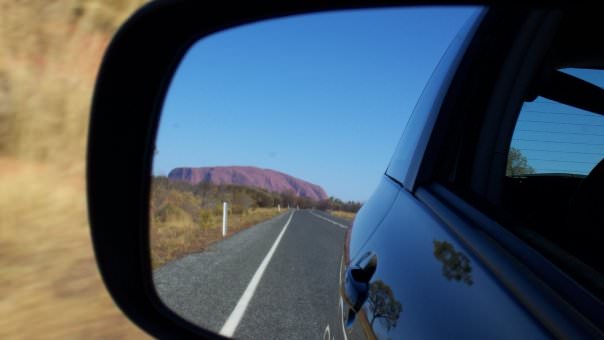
270, 180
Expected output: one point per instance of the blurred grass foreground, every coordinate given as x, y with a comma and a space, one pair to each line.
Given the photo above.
50, 52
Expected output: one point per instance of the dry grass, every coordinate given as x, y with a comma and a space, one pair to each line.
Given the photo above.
176, 238
49, 55
343, 214
51, 287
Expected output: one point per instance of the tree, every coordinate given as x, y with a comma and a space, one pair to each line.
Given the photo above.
242, 201
517, 164
383, 305
305, 202
288, 198
352, 206
265, 200
323, 205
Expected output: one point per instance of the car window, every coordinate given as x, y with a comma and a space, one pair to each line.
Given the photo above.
554, 138
552, 185
520, 155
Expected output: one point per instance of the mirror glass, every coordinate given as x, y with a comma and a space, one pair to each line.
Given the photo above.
272, 136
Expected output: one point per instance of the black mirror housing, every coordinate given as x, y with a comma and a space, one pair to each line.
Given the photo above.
131, 85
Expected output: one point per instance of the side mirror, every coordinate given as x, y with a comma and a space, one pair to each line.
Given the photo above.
131, 87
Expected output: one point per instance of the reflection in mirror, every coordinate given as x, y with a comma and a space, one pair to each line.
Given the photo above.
272, 135
456, 265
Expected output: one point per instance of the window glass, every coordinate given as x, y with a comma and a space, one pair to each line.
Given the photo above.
553, 183
551, 137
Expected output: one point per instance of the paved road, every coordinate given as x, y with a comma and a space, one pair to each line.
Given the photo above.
276, 280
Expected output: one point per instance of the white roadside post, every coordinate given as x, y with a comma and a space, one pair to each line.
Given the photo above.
278, 207
224, 218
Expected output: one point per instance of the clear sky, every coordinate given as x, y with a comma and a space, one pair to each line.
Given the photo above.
321, 97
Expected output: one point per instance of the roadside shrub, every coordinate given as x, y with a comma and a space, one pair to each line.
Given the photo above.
172, 213
237, 209
206, 219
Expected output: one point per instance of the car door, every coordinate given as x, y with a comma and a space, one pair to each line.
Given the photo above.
427, 257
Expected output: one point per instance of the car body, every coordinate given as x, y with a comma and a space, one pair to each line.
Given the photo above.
429, 257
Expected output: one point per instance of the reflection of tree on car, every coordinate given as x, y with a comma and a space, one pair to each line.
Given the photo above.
456, 266
383, 305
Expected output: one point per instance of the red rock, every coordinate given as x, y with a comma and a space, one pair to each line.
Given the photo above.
270, 180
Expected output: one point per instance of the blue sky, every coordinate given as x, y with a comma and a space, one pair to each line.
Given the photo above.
322, 97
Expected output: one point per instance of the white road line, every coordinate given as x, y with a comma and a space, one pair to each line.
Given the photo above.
330, 221
229, 327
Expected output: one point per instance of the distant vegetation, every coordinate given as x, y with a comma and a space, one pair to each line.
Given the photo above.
169, 195
517, 164
186, 218
347, 215
336, 204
